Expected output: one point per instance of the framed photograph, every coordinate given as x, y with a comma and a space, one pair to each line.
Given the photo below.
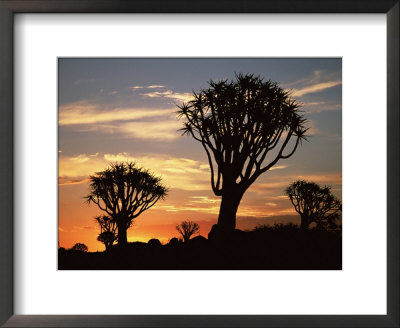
233, 169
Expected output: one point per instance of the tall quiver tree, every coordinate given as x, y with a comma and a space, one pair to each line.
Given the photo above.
245, 126
315, 204
124, 191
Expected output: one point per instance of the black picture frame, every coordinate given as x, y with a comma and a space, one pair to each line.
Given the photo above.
10, 7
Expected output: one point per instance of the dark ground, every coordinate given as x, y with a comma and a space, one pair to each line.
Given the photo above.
265, 249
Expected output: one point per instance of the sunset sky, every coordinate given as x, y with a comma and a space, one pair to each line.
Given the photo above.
124, 109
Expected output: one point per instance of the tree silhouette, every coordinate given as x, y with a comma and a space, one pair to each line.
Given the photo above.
187, 229
124, 191
244, 126
80, 247
315, 204
108, 230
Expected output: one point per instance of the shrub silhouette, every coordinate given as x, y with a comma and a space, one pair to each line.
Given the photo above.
124, 191
239, 124
187, 229
315, 204
108, 230
80, 247
277, 227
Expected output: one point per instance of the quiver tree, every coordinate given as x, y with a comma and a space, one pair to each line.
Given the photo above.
187, 229
315, 204
108, 230
124, 191
245, 126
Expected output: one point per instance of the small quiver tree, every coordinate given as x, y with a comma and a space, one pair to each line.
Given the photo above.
108, 230
187, 229
80, 247
315, 204
124, 191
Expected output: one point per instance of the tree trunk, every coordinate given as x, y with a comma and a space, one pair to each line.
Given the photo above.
122, 235
304, 222
227, 212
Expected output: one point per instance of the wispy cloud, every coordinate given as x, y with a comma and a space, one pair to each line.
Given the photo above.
62, 181
182, 207
319, 81
319, 106
204, 200
314, 88
83, 113
323, 179
313, 103
143, 123
278, 167
316, 77
136, 87
176, 172
251, 210
163, 130
186, 96
276, 185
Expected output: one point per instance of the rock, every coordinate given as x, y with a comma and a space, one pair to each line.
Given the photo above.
154, 243
198, 241
174, 242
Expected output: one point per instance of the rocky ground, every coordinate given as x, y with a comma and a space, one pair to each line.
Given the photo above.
262, 249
